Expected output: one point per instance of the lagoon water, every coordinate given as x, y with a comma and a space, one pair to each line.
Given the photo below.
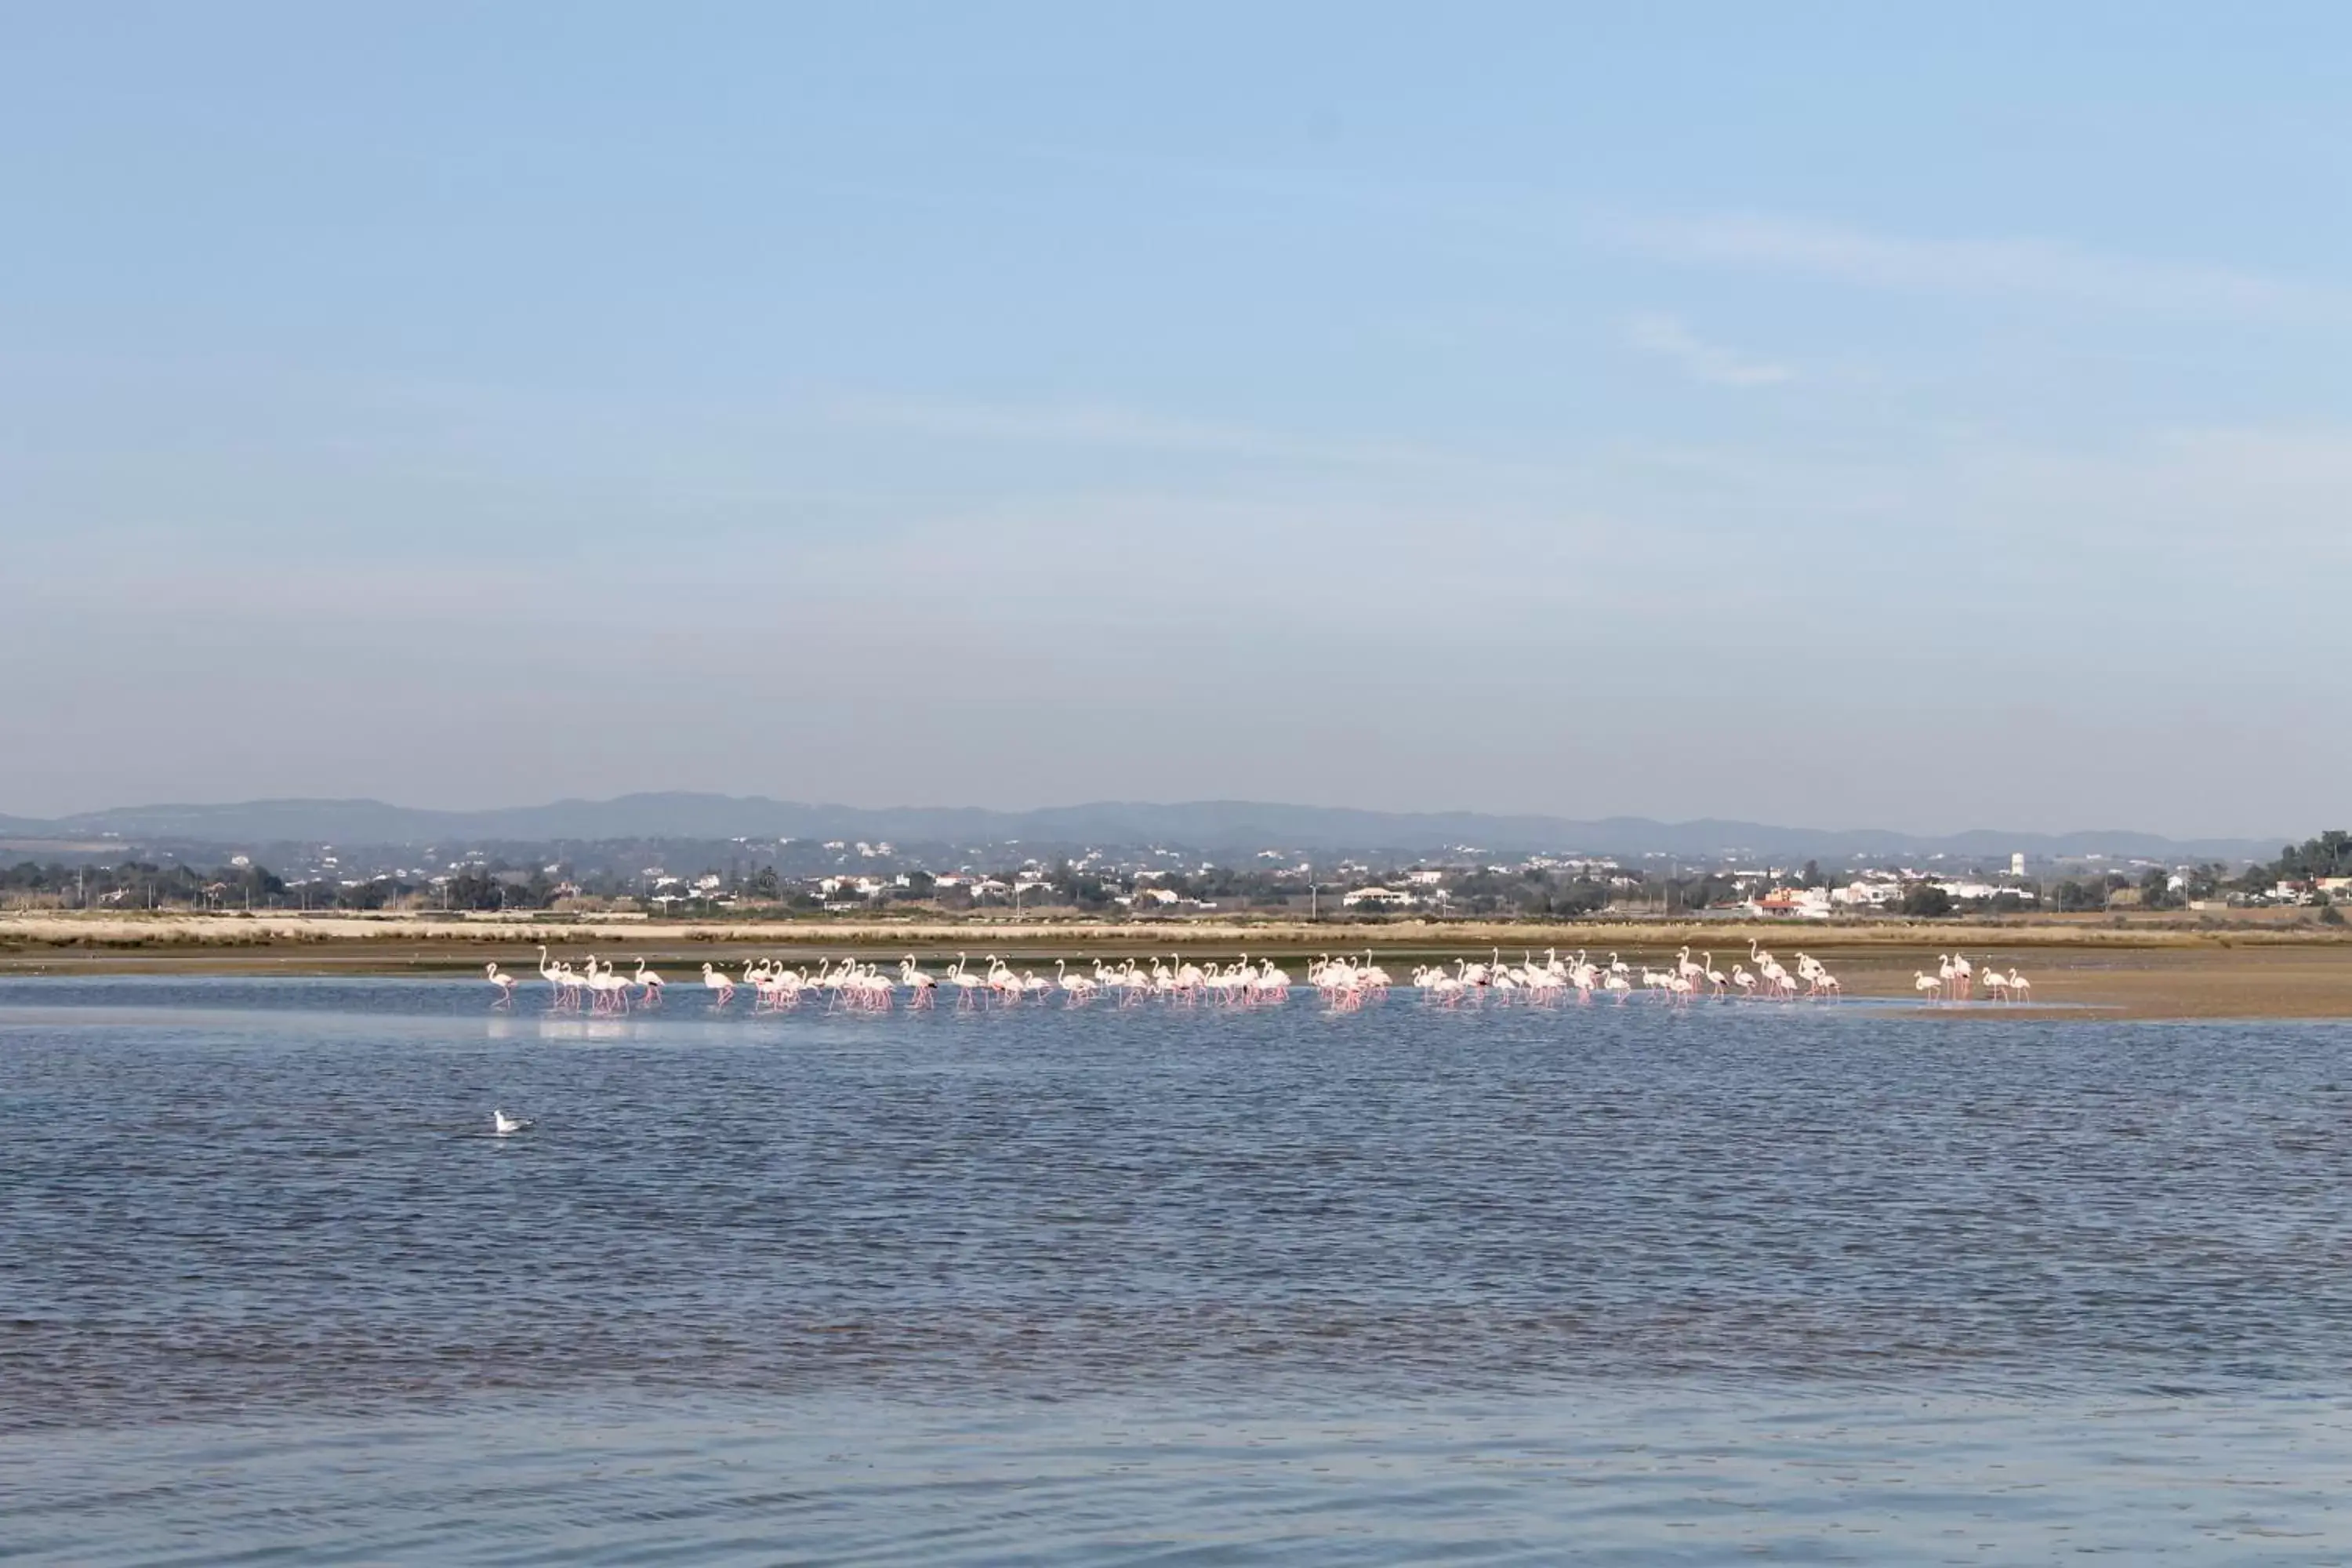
1799, 1283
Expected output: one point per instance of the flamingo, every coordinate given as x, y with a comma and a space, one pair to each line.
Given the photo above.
1348, 981
559, 983
610, 991
1438, 986
866, 987
1076, 988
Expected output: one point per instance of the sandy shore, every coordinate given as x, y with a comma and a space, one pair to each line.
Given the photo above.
2142, 971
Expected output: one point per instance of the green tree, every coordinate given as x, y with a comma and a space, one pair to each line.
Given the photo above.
2329, 854
1927, 900
474, 889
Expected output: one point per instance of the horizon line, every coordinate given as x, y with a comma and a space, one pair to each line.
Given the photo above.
1631, 818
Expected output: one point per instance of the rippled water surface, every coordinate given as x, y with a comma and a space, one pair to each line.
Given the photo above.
1198, 1286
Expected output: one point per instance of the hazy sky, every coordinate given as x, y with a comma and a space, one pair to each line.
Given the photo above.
1914, 417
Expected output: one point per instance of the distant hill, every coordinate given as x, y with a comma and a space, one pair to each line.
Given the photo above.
1215, 826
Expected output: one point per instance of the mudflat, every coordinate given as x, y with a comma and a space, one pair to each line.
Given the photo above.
2143, 971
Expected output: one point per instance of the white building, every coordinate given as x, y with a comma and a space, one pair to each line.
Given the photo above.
1793, 903
1965, 892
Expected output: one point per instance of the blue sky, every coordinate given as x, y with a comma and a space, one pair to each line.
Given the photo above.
1829, 415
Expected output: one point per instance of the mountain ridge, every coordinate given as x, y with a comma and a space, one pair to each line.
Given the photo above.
1209, 824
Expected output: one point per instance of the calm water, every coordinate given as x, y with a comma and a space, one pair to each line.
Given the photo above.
1617, 1283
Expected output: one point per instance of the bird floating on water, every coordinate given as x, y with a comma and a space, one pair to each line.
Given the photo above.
502, 1124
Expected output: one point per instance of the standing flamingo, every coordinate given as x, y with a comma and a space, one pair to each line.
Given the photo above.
716, 980
503, 981
1075, 987
610, 992
553, 974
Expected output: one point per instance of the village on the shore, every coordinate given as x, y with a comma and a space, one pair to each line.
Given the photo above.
751, 880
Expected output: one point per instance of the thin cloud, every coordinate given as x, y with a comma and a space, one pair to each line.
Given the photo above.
1669, 339
1110, 428
1064, 423
2052, 268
